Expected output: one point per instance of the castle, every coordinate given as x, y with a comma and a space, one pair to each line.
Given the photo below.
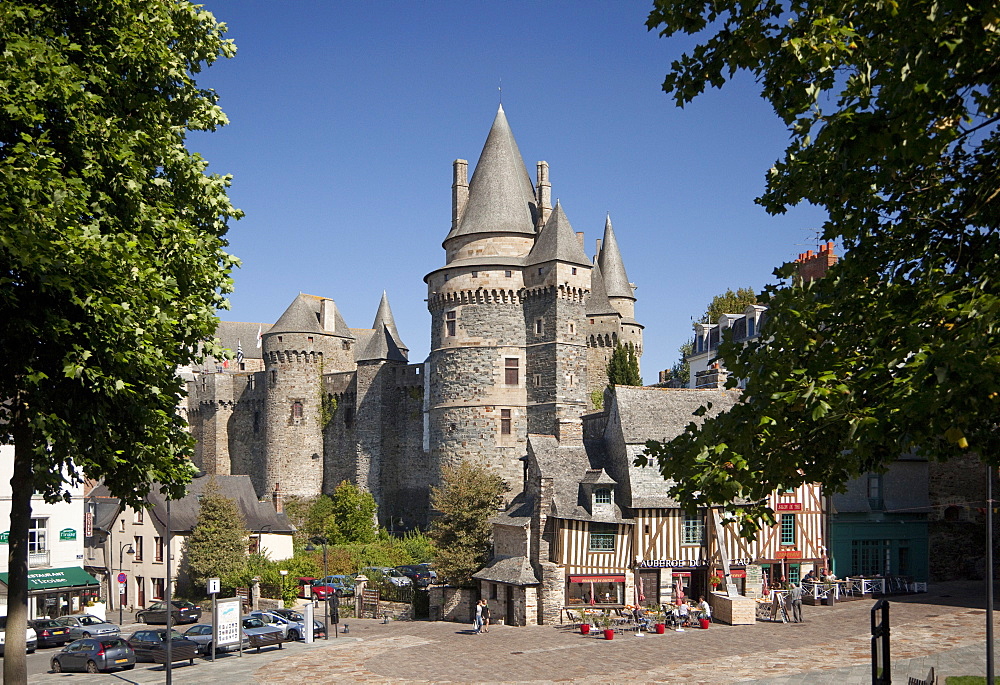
523, 325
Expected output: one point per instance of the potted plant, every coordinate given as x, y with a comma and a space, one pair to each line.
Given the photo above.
715, 581
659, 621
604, 623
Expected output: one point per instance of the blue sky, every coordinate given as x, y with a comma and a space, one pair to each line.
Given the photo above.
346, 117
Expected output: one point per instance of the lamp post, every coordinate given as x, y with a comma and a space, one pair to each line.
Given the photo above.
260, 537
321, 540
284, 574
121, 567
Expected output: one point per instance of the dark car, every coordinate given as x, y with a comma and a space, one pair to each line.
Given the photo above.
183, 612
420, 576
94, 655
50, 633
146, 642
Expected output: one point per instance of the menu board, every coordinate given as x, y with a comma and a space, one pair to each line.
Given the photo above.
227, 622
755, 578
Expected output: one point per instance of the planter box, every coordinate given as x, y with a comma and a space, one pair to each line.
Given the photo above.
736, 610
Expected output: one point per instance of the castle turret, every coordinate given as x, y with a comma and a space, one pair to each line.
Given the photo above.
620, 292
309, 339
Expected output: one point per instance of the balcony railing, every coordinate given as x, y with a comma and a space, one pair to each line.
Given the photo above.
38, 559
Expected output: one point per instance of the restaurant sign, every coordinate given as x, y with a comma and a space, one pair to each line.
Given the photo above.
788, 554
67, 534
687, 563
789, 506
3, 537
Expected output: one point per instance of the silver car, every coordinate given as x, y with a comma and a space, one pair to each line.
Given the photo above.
87, 625
290, 630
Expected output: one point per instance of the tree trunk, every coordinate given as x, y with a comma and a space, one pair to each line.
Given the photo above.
15, 666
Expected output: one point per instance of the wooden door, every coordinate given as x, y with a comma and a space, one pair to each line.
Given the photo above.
140, 592
511, 618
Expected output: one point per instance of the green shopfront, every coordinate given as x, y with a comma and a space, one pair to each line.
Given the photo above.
54, 592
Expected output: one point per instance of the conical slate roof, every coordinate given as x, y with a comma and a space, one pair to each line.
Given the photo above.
384, 318
381, 346
598, 303
612, 267
304, 316
501, 196
557, 242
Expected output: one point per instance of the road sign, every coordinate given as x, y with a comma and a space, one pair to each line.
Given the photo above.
121, 587
213, 586
122, 578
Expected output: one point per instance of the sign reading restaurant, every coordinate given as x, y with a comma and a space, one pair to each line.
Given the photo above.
687, 563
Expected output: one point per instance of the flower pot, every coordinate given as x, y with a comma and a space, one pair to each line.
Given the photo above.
661, 628
704, 623
584, 628
609, 634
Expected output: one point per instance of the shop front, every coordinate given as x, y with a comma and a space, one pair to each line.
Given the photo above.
595, 590
54, 592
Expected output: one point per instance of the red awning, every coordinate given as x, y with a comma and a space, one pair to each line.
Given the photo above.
597, 579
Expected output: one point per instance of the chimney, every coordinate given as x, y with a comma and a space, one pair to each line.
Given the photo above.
814, 265
276, 498
459, 190
544, 192
579, 236
597, 254
328, 314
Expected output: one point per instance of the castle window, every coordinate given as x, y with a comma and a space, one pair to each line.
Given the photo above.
538, 327
572, 327
296, 411
447, 277
310, 338
279, 338
274, 377
346, 344
508, 273
592, 321
537, 379
243, 366
475, 274
251, 382
510, 371
539, 271
450, 323
505, 422
574, 271
572, 380
602, 496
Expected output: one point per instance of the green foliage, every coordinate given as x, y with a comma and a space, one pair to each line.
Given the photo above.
418, 546
468, 497
623, 367
344, 517
217, 545
893, 116
269, 572
597, 399
112, 259
729, 302
327, 407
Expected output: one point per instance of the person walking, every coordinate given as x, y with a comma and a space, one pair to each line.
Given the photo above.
477, 623
486, 616
794, 600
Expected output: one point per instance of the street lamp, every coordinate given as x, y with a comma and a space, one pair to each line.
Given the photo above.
284, 574
121, 567
318, 540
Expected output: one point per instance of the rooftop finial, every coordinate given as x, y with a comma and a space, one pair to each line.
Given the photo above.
500, 90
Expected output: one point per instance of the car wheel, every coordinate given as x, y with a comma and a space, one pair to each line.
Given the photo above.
129, 667
85, 635
141, 618
92, 667
293, 635
31, 651
56, 666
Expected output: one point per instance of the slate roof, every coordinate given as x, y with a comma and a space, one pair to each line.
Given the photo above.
257, 515
557, 242
616, 281
303, 316
664, 413
383, 317
518, 512
509, 570
598, 303
501, 195
229, 333
380, 345
567, 466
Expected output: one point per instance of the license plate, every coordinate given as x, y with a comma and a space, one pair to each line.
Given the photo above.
121, 661
58, 632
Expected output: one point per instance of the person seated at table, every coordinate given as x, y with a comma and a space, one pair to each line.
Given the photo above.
641, 618
704, 609
809, 577
683, 616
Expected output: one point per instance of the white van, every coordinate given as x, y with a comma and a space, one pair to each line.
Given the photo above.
31, 638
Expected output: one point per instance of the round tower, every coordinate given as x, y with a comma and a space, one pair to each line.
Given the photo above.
309, 339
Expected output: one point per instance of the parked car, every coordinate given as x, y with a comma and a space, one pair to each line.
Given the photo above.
50, 633
183, 612
385, 574
94, 655
30, 638
419, 575
87, 625
427, 567
146, 642
319, 629
290, 630
255, 626
324, 587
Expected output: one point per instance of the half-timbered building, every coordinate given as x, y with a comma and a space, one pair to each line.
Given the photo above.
592, 529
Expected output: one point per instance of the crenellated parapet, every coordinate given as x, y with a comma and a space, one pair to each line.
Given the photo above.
455, 298
562, 292
274, 357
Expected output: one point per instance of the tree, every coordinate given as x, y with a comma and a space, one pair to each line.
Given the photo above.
468, 497
217, 545
623, 367
111, 250
894, 119
353, 511
729, 302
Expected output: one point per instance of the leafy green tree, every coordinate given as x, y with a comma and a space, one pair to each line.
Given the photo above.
468, 497
111, 250
353, 514
217, 545
893, 115
729, 302
623, 366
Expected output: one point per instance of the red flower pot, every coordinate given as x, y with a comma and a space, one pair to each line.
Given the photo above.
609, 634
661, 628
584, 628
704, 623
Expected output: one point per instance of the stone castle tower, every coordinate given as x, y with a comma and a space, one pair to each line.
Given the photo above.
523, 325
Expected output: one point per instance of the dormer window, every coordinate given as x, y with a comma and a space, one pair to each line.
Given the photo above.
602, 496
750, 326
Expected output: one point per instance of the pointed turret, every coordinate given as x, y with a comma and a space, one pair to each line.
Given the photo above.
381, 346
384, 318
501, 197
598, 303
557, 242
616, 281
